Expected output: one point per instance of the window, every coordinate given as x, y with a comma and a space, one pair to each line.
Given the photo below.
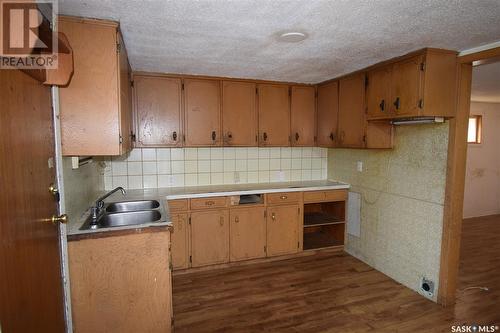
474, 133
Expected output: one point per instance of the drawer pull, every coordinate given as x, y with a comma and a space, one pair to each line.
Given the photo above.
273, 216
221, 221
283, 197
209, 203
236, 219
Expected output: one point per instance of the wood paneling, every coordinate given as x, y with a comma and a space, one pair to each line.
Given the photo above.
121, 284
303, 115
158, 109
351, 123
31, 296
89, 105
274, 115
202, 112
247, 233
407, 85
209, 237
180, 241
239, 113
282, 230
328, 110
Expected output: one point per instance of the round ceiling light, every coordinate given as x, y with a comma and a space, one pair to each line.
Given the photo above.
292, 37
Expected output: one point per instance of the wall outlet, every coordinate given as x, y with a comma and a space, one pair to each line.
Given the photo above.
359, 166
427, 287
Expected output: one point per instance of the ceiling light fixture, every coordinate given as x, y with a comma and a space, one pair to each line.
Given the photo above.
292, 37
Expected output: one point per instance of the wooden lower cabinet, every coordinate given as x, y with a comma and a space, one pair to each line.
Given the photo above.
180, 241
283, 230
247, 233
121, 283
209, 237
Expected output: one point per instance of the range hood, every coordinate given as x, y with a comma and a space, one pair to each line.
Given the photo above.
417, 120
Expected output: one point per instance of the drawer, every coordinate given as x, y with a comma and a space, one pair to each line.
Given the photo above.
282, 198
204, 203
177, 205
321, 196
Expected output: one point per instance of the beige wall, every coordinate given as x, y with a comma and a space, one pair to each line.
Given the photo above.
482, 180
81, 186
402, 202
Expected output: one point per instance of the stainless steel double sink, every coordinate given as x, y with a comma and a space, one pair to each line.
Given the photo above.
124, 213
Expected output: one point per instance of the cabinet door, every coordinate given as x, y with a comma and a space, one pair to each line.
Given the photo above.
328, 111
407, 85
239, 113
378, 99
351, 111
90, 116
158, 110
303, 116
126, 123
209, 237
282, 230
202, 115
180, 244
248, 233
274, 115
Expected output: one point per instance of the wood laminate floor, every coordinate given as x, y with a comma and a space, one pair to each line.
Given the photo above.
331, 292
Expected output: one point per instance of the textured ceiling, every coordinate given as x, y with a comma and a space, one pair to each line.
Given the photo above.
238, 38
486, 83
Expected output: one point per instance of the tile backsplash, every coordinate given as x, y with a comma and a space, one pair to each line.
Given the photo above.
170, 167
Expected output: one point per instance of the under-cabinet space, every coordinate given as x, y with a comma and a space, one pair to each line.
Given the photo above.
324, 213
247, 199
323, 236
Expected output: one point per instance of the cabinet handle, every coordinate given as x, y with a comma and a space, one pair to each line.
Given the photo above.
296, 136
382, 105
214, 135
209, 203
273, 216
283, 197
236, 219
174, 136
397, 103
132, 136
264, 136
229, 135
221, 221
331, 136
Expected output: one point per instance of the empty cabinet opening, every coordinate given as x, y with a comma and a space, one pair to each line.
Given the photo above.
324, 225
247, 199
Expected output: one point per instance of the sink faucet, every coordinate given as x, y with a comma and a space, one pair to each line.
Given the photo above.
99, 204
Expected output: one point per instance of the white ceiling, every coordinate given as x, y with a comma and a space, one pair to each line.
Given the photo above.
486, 83
238, 38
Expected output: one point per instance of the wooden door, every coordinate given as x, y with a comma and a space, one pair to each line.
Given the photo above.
31, 296
180, 241
247, 233
126, 123
202, 112
158, 111
239, 113
303, 116
209, 237
328, 111
274, 115
89, 107
378, 93
352, 111
407, 86
282, 230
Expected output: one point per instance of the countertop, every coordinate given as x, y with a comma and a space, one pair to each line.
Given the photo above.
162, 194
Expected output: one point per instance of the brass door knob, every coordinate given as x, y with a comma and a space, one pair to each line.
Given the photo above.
59, 219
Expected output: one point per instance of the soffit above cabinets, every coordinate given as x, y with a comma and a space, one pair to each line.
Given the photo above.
239, 38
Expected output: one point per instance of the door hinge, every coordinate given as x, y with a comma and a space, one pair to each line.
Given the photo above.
120, 139
290, 91
182, 86
118, 47
298, 210
256, 138
132, 83
172, 322
190, 220
366, 81
256, 90
422, 66
132, 136
364, 138
183, 138
265, 248
190, 258
421, 103
298, 245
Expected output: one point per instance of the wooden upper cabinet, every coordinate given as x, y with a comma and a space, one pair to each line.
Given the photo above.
95, 107
378, 93
239, 113
328, 110
202, 112
158, 111
303, 116
406, 86
209, 237
274, 115
351, 123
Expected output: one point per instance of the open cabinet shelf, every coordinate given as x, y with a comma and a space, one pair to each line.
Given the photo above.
320, 218
324, 225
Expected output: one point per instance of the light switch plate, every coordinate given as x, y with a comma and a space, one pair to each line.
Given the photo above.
359, 166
